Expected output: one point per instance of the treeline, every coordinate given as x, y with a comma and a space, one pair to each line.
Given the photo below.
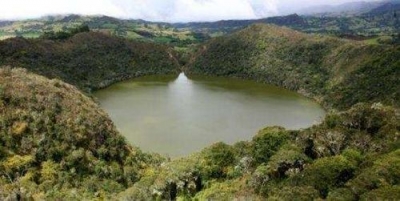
62, 35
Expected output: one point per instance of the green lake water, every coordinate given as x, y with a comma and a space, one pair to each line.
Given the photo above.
176, 116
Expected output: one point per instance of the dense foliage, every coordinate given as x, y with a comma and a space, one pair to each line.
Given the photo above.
337, 72
62, 35
56, 142
89, 60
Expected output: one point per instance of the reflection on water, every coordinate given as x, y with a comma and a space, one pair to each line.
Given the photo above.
178, 116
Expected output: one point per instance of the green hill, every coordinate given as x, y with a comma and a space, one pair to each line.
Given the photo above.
140, 30
54, 140
336, 72
89, 60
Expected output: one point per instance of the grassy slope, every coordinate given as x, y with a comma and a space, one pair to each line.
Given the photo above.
321, 67
54, 139
89, 60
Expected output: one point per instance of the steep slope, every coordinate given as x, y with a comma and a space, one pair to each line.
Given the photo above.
321, 67
89, 60
56, 142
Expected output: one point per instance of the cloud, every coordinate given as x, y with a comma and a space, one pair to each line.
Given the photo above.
16, 9
196, 10
158, 10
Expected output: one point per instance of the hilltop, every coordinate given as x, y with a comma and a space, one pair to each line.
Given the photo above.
336, 72
89, 60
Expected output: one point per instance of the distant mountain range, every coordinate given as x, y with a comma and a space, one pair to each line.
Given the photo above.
354, 19
359, 18
347, 8
351, 8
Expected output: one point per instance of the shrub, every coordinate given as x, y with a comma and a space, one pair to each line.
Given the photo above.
267, 142
216, 160
296, 193
383, 193
326, 174
341, 194
289, 160
385, 172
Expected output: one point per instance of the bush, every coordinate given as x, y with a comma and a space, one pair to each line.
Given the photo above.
216, 160
326, 174
384, 193
288, 161
267, 142
385, 172
294, 193
341, 194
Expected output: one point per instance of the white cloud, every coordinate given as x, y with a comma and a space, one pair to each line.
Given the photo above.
157, 10
196, 10
11, 9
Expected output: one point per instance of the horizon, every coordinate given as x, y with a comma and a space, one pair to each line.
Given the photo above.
169, 11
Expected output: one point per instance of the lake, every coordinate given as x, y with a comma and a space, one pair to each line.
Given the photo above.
176, 116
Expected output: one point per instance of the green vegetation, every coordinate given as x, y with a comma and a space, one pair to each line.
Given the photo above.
62, 35
339, 73
380, 21
62, 27
88, 60
56, 143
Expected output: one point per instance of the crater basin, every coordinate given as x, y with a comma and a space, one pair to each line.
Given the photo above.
176, 116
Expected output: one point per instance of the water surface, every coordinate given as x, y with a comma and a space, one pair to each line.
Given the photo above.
177, 116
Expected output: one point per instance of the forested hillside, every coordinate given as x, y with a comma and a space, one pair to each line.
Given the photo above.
55, 142
336, 72
89, 60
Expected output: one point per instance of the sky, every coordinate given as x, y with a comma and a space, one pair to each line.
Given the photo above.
159, 10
